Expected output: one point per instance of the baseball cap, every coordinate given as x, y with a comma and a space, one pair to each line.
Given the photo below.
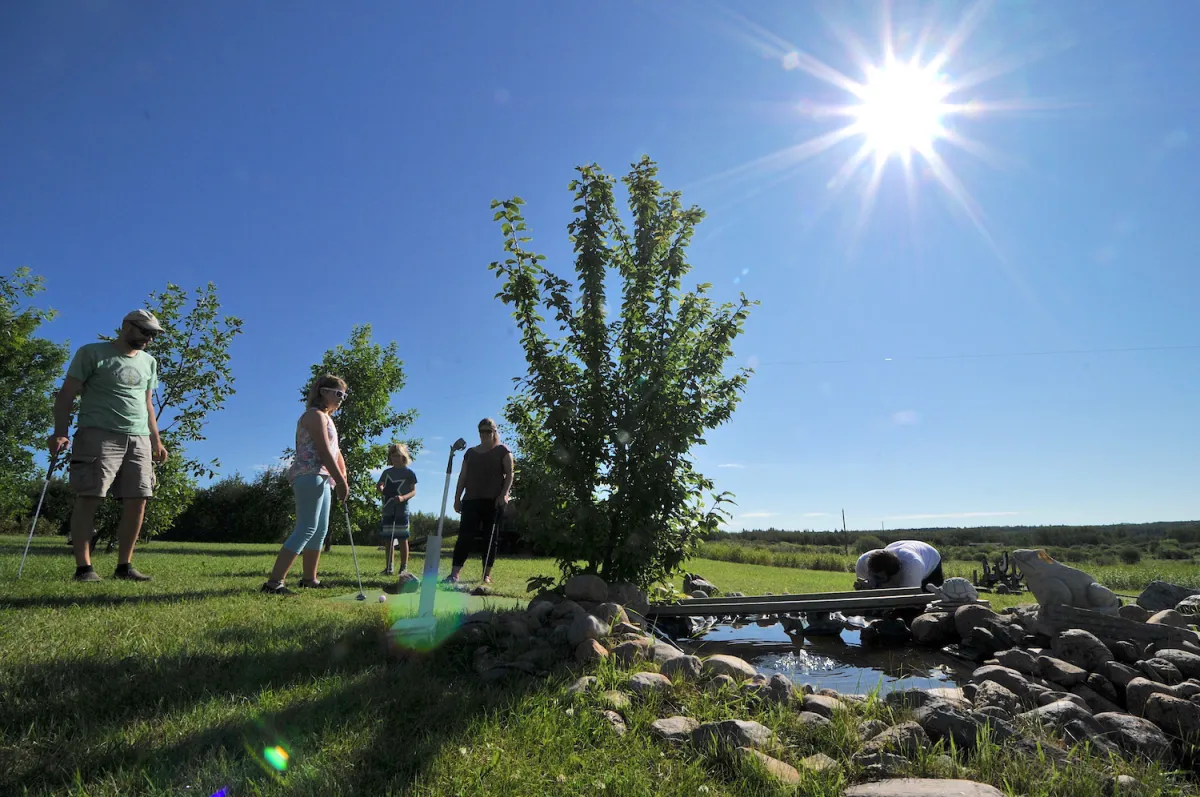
145, 319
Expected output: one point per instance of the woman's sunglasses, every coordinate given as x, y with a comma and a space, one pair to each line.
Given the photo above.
339, 393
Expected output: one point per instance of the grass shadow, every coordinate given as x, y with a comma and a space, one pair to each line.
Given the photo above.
64, 601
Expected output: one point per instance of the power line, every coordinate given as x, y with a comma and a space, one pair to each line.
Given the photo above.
986, 355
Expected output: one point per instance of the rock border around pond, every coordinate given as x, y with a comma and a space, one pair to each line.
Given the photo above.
1116, 699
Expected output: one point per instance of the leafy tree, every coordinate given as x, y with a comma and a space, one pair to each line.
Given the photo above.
236, 510
29, 368
366, 422
610, 409
194, 381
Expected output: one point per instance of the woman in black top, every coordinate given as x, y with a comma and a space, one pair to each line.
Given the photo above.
480, 498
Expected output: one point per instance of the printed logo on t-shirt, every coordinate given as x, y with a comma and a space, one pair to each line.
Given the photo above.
128, 377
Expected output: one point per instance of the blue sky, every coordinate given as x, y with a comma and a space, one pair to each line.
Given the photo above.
327, 167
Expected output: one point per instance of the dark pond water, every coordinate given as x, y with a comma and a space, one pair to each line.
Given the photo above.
835, 662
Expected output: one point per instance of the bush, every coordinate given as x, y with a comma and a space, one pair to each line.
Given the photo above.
1130, 555
868, 542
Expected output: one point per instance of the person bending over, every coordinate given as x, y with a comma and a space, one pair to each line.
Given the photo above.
906, 563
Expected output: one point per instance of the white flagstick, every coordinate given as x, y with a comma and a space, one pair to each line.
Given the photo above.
424, 623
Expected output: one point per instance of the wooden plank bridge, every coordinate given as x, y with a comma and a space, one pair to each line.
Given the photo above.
848, 603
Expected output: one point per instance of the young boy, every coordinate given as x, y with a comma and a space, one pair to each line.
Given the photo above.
397, 485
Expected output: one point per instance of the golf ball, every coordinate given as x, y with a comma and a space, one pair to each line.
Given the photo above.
383, 598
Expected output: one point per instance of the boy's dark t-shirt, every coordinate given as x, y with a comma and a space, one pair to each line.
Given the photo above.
397, 481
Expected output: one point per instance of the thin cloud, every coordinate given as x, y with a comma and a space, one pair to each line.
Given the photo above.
816, 514
951, 515
906, 418
759, 514
732, 465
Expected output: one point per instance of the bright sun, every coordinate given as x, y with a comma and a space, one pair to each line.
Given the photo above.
900, 110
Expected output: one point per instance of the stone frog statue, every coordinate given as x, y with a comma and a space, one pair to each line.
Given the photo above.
1052, 583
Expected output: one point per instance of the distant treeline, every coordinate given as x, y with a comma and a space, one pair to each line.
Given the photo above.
1183, 531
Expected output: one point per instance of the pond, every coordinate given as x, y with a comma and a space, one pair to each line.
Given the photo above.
838, 662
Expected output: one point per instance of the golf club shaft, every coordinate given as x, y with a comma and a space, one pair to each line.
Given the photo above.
433, 550
353, 552
37, 513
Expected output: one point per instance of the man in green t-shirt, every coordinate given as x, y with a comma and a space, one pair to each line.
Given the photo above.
116, 436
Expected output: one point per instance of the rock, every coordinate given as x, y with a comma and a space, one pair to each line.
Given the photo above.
1081, 733
628, 653
1138, 691
1053, 697
674, 729
1189, 606
611, 613
780, 689
589, 651
586, 587
869, 729
685, 668
1022, 661
968, 618
661, 652
1187, 663
1059, 713
1096, 702
629, 596
904, 739
810, 720
692, 582
818, 762
1159, 595
586, 626
1060, 672
1102, 686
1125, 651
1160, 670
1134, 735
1035, 750
615, 700
733, 734
582, 685
624, 629
1011, 679
934, 629
992, 694
878, 766
1119, 674
721, 664
825, 706
1131, 611
1125, 786
647, 683
615, 720
915, 698
779, 771
1168, 617
885, 632
566, 610
941, 721
994, 712
1081, 648
1174, 715
923, 787
719, 682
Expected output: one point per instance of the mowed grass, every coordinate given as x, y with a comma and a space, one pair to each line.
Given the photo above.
180, 685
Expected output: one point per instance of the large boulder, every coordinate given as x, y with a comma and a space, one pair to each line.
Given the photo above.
629, 596
934, 629
733, 734
1139, 690
907, 739
1081, 648
722, 664
1187, 663
1159, 595
992, 694
1010, 679
1020, 660
1060, 672
586, 587
674, 729
586, 626
687, 668
1059, 713
923, 787
1174, 715
1136, 736
942, 721
1161, 670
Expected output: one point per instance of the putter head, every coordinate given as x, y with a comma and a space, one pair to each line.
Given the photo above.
458, 445
361, 597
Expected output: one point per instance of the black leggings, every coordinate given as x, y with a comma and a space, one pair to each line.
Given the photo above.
936, 578
480, 517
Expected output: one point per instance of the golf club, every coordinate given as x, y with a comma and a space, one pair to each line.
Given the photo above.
37, 512
361, 595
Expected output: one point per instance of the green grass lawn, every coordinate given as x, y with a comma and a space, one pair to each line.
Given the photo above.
180, 685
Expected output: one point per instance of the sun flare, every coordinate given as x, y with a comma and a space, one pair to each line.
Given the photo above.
901, 109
